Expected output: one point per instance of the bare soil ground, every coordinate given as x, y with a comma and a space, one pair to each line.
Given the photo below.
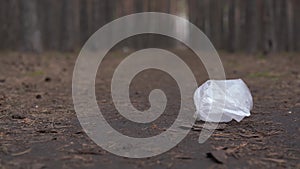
39, 128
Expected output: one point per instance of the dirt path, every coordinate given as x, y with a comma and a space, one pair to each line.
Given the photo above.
39, 128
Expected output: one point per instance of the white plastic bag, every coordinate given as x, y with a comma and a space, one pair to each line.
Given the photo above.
223, 100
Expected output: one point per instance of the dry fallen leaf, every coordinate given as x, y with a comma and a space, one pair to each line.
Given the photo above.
27, 121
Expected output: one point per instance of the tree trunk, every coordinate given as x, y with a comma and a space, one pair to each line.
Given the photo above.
290, 24
70, 31
270, 39
215, 22
296, 25
86, 20
31, 35
232, 27
252, 26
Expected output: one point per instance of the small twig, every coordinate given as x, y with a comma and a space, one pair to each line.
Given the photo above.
32, 122
52, 123
21, 153
275, 160
3, 116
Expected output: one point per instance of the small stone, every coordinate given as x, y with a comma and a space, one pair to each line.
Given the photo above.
48, 79
38, 96
18, 116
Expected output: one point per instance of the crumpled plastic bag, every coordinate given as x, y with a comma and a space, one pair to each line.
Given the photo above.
223, 100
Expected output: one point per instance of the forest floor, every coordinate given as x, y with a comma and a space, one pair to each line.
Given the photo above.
39, 127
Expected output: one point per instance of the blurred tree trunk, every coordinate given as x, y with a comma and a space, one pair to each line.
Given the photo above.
50, 19
150, 38
296, 21
270, 39
290, 24
235, 25
231, 24
31, 35
244, 30
86, 20
252, 26
280, 25
206, 18
215, 23
225, 24
235, 22
4, 5
140, 6
70, 28
126, 8
101, 15
3, 24
196, 13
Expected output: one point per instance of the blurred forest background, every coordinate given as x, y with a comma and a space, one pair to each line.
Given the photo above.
251, 26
